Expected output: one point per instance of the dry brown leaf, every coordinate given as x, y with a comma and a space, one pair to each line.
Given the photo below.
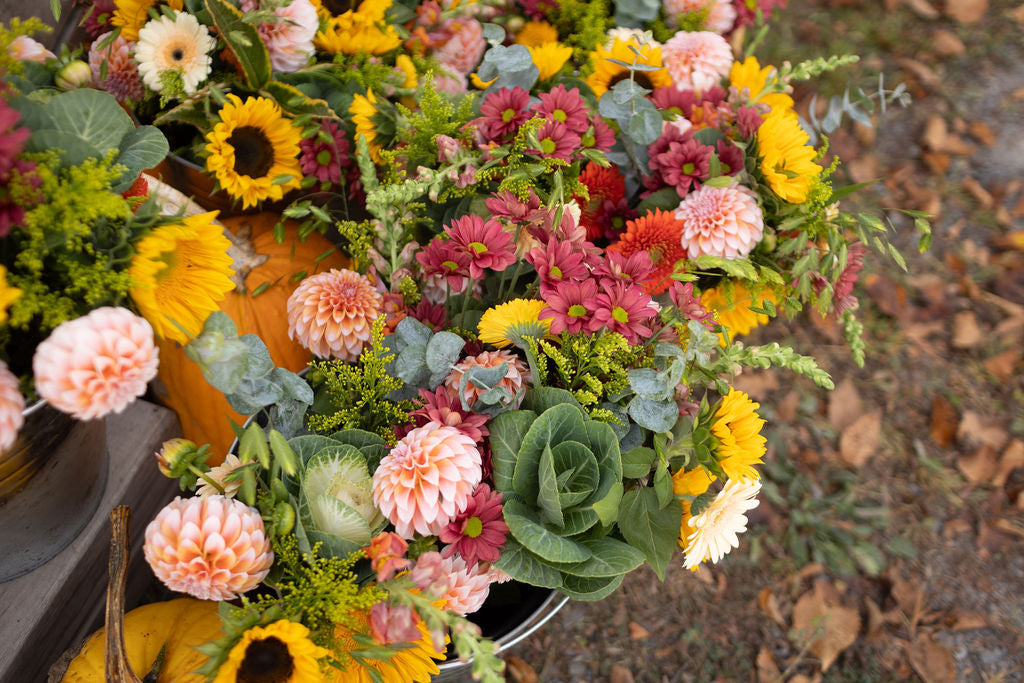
620, 674
1002, 364
938, 138
1010, 526
1018, 94
770, 606
966, 11
637, 632
767, 671
908, 594
844, 405
1017, 14
955, 527
924, 73
1015, 238
982, 132
980, 466
1012, 458
859, 441
943, 421
931, 660
889, 296
519, 671
966, 333
800, 678
704, 575
976, 429
980, 194
876, 621
828, 627
757, 383
937, 162
947, 43
922, 8
960, 619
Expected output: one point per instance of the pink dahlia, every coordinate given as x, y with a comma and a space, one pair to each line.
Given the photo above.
571, 306
557, 141
564, 106
513, 381
502, 112
331, 313
721, 15
697, 60
470, 585
557, 262
322, 158
427, 479
95, 365
12, 405
441, 407
720, 221
213, 548
289, 38
122, 79
465, 48
487, 244
623, 308
478, 533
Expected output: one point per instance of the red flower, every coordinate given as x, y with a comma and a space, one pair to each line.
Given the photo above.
746, 10
487, 244
603, 184
571, 306
441, 407
557, 262
446, 259
659, 235
478, 533
623, 308
324, 159
564, 106
557, 141
844, 285
431, 315
502, 112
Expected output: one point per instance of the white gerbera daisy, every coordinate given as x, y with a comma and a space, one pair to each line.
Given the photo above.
716, 529
179, 45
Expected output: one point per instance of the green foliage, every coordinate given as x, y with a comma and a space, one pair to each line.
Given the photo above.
172, 86
852, 332
582, 24
437, 115
772, 354
243, 40
17, 27
592, 367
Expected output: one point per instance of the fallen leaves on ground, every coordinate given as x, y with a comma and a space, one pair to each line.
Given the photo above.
931, 660
966, 11
860, 440
821, 621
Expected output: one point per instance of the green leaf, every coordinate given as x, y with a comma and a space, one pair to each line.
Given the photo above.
665, 199
590, 590
92, 115
607, 508
442, 352
73, 149
296, 102
522, 565
649, 527
560, 423
609, 558
637, 462
663, 485
141, 148
577, 472
541, 399
244, 41
308, 445
538, 539
657, 416
547, 490
507, 432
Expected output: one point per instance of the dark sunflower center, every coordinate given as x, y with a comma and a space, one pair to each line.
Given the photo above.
254, 155
266, 661
177, 54
639, 77
337, 7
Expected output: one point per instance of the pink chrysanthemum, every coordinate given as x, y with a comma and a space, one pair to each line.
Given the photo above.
331, 313
623, 308
730, 157
690, 306
122, 80
289, 39
213, 548
697, 60
98, 19
599, 136
478, 533
720, 221
556, 262
621, 268
441, 407
12, 405
487, 244
748, 120
325, 160
512, 382
571, 306
684, 163
12, 140
465, 48
564, 106
557, 141
746, 10
721, 15
502, 112
430, 314
470, 586
427, 479
507, 205
95, 365
446, 261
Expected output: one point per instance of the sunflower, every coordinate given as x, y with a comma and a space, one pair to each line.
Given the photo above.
549, 58
251, 146
509, 322
731, 302
364, 112
404, 64
537, 33
738, 430
409, 665
691, 483
8, 295
181, 271
130, 15
606, 73
359, 31
787, 161
749, 74
280, 652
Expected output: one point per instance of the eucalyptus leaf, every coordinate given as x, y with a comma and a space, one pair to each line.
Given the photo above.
657, 416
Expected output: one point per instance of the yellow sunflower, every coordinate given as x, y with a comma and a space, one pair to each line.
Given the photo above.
689, 483
479, 83
537, 33
787, 161
408, 69
8, 295
549, 58
131, 15
279, 652
738, 430
605, 73
359, 31
363, 109
508, 323
749, 74
251, 145
180, 273
410, 665
731, 302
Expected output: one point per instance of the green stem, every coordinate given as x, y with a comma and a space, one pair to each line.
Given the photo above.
202, 475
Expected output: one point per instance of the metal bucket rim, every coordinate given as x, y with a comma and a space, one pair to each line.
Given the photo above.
34, 408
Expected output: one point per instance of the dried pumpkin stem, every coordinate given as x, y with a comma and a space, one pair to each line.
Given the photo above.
118, 670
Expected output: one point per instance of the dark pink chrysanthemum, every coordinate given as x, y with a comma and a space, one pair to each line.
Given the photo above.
487, 244
623, 308
571, 306
502, 112
446, 259
477, 533
442, 407
507, 205
557, 141
613, 216
844, 299
558, 261
121, 77
748, 120
599, 136
324, 159
746, 10
618, 268
564, 106
690, 306
684, 164
538, 9
98, 20
730, 157
430, 314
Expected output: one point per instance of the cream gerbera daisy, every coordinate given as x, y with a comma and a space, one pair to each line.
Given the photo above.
716, 529
180, 45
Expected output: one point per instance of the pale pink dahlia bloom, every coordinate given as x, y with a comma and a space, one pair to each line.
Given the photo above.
720, 221
721, 13
213, 548
469, 586
463, 50
332, 313
95, 365
29, 50
289, 40
513, 381
122, 80
427, 479
12, 405
697, 60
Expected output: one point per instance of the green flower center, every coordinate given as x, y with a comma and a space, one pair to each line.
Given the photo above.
547, 145
323, 157
577, 310
688, 168
474, 527
508, 115
555, 271
450, 265
478, 248
266, 661
559, 115
619, 313
589, 140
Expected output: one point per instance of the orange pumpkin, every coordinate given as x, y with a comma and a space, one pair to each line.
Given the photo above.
203, 410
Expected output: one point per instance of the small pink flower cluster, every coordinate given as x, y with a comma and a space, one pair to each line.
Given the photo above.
457, 43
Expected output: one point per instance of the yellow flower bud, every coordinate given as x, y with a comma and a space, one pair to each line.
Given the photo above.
172, 453
74, 74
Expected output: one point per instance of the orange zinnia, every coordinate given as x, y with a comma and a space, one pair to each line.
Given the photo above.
659, 234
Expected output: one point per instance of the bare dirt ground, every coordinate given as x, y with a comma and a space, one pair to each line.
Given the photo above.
889, 545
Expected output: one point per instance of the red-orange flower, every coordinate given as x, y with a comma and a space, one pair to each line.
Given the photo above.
658, 234
603, 184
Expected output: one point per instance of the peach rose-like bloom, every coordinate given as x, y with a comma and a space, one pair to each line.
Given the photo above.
213, 548
12, 403
513, 381
332, 313
720, 221
427, 479
697, 60
469, 586
95, 365
289, 39
29, 50
463, 51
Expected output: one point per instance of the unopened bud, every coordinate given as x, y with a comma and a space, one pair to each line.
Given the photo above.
74, 74
172, 454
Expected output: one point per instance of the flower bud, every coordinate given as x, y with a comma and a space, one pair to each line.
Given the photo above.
74, 74
173, 454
